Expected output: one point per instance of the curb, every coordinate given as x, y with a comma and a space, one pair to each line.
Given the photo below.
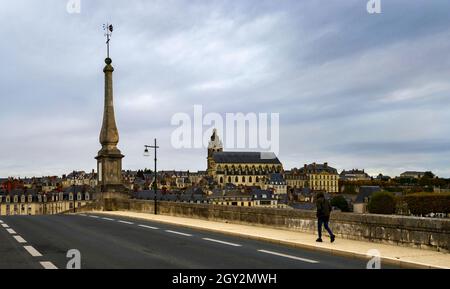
336, 252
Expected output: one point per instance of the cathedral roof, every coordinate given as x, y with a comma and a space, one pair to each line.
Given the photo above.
246, 157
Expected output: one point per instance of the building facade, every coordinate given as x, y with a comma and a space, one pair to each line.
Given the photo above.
354, 175
28, 203
321, 177
240, 168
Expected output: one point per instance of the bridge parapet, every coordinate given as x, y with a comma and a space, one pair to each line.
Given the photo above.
425, 233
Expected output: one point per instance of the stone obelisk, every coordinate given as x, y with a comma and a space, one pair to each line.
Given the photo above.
109, 158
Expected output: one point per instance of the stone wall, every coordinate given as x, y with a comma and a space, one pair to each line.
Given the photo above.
425, 233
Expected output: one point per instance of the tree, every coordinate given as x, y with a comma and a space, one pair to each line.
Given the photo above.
382, 203
341, 203
429, 175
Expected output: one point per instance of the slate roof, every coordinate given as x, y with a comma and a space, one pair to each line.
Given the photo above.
366, 192
246, 157
276, 179
318, 168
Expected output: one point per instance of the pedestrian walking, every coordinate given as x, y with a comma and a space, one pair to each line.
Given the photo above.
323, 216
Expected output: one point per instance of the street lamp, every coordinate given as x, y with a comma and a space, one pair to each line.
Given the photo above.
155, 186
73, 193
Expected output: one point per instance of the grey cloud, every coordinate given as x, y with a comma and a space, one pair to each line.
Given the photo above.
348, 85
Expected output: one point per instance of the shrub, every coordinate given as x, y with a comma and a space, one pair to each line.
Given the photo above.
426, 203
341, 203
382, 203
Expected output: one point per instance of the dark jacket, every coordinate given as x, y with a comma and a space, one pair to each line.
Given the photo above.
323, 207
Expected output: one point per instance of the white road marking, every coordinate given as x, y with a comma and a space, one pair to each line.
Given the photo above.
1, 222
289, 256
20, 239
222, 242
178, 233
5, 226
95, 217
125, 222
33, 252
148, 227
108, 219
11, 231
48, 265
84, 215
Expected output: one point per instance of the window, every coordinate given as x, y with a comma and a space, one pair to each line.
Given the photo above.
30, 198
86, 197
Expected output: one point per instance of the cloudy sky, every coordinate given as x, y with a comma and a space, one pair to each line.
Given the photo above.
354, 89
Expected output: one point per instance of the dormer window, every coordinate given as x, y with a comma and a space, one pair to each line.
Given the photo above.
30, 198
16, 199
8, 199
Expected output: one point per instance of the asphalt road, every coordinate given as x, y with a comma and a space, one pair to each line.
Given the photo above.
113, 243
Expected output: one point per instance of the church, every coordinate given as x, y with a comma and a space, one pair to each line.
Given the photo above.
240, 168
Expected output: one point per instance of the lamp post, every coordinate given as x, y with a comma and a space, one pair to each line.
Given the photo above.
73, 193
155, 186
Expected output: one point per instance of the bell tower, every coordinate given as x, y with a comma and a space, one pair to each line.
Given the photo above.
215, 145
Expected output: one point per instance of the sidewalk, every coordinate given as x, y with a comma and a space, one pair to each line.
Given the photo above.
401, 256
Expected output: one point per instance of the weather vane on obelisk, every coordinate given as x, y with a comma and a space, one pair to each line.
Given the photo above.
109, 158
108, 32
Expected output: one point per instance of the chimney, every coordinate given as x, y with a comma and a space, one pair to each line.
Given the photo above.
325, 165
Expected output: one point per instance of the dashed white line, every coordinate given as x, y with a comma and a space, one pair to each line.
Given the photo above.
48, 265
222, 242
108, 219
33, 252
125, 222
84, 215
11, 231
5, 226
1, 222
148, 227
178, 233
95, 217
289, 256
20, 239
